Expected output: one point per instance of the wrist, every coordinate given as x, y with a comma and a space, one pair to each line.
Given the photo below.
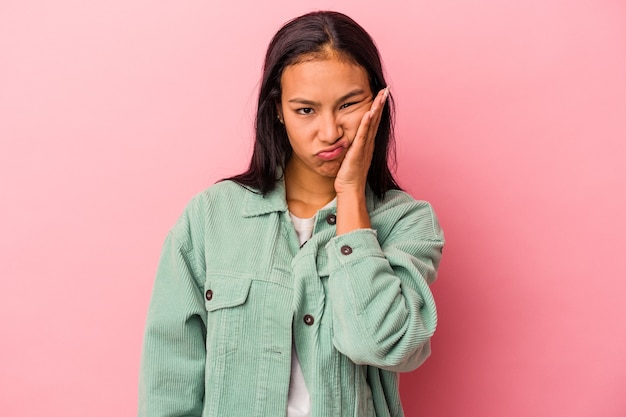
352, 212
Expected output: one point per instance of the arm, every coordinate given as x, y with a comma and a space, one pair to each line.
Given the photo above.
383, 311
172, 367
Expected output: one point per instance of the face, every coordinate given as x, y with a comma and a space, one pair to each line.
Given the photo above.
322, 104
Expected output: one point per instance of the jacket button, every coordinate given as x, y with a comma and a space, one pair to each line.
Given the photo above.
346, 250
331, 219
308, 319
209, 294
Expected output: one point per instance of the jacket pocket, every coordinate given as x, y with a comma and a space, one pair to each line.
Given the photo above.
223, 292
225, 302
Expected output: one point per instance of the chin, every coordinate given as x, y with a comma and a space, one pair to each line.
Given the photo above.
329, 171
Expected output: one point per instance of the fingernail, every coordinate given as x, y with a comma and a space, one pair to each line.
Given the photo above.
386, 93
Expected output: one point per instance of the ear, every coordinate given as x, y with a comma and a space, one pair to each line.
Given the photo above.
279, 113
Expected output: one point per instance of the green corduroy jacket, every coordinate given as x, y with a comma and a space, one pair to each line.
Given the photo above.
234, 289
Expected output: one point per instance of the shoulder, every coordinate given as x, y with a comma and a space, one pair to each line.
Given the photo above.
219, 201
400, 211
226, 195
222, 192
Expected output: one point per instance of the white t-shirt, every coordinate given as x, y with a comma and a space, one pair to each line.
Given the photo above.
299, 401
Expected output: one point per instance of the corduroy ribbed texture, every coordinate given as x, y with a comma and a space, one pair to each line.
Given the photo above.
233, 288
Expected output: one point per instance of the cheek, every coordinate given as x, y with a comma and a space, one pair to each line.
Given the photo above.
352, 121
296, 136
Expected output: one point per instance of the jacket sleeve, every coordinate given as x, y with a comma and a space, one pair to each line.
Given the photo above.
172, 367
383, 311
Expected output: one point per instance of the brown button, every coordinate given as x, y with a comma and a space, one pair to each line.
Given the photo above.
346, 250
209, 294
308, 319
331, 219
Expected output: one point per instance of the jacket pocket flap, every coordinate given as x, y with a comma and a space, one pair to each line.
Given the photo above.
225, 292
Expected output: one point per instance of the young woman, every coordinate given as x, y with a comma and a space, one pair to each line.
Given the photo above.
300, 287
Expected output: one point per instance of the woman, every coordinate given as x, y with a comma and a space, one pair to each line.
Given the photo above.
300, 287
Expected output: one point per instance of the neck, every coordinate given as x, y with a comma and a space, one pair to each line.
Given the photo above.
306, 191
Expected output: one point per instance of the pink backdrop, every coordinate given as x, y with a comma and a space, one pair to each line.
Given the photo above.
511, 122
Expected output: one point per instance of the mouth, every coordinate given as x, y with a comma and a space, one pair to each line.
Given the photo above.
331, 153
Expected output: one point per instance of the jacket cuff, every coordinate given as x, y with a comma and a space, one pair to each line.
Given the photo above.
351, 247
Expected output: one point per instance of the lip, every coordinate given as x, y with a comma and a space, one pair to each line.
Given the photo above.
331, 153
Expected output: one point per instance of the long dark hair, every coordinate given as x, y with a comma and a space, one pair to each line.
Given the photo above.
311, 34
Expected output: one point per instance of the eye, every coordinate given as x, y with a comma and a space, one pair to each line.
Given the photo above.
346, 105
305, 110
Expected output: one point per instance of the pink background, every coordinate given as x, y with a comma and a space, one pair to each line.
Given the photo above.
511, 121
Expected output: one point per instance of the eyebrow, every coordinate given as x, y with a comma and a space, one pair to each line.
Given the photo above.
345, 97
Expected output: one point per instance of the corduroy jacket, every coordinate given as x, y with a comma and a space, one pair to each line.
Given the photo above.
234, 289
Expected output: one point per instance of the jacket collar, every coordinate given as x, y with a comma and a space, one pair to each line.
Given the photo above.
256, 204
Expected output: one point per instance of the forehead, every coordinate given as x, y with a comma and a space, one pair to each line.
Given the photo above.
323, 77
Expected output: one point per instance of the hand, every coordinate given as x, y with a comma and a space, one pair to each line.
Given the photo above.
352, 175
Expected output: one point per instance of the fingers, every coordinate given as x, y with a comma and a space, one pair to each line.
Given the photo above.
370, 120
378, 103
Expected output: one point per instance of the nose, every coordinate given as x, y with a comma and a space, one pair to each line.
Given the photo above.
329, 130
